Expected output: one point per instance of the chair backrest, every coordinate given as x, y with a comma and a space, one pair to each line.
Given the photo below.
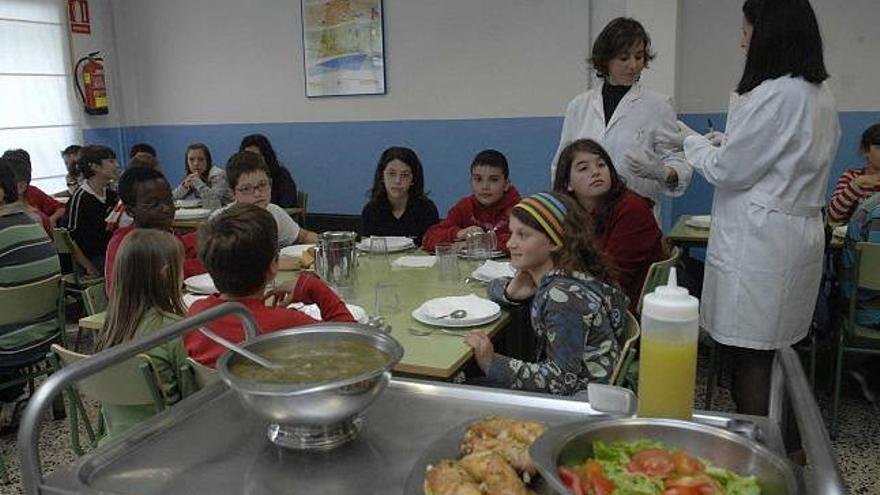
95, 299
123, 384
631, 334
65, 245
658, 273
31, 315
868, 266
204, 375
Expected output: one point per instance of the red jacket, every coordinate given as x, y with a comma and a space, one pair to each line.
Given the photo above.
192, 265
308, 290
42, 201
469, 212
632, 240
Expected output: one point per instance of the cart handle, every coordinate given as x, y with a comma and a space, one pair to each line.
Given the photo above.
28, 433
788, 376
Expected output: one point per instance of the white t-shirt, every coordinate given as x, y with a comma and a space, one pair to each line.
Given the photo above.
288, 229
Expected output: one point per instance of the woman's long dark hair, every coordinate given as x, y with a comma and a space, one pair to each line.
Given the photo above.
378, 195
265, 147
204, 149
578, 252
785, 41
605, 204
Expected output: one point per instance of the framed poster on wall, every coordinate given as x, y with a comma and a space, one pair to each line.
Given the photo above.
343, 47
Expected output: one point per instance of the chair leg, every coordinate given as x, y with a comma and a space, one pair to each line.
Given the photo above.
838, 372
711, 379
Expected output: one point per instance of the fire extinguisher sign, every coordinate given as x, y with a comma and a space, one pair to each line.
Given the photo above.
78, 12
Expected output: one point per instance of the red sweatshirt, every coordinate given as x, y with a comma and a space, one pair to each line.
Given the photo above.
469, 212
632, 240
42, 201
308, 290
192, 265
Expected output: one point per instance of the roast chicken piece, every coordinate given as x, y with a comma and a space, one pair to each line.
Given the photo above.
450, 478
506, 428
497, 477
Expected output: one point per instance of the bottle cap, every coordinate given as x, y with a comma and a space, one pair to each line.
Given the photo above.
670, 302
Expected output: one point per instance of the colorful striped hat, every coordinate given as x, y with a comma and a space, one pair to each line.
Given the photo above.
548, 211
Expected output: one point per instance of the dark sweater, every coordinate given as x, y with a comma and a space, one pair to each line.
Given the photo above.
611, 96
377, 219
283, 188
86, 214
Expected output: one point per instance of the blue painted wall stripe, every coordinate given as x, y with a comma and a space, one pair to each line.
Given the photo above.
335, 161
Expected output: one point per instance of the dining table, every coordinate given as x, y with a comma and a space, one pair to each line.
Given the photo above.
190, 224
435, 356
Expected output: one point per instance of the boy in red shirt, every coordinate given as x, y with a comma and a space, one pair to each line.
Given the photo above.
239, 248
48, 208
147, 197
487, 209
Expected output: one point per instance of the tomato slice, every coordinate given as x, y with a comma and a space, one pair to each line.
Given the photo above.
700, 484
681, 491
686, 464
652, 462
600, 485
571, 480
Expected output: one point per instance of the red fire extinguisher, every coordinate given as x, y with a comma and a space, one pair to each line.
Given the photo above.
92, 91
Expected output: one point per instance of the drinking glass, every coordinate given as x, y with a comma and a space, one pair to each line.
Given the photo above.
379, 247
447, 261
480, 245
387, 301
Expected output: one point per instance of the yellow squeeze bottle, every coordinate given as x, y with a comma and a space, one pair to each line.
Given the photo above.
668, 359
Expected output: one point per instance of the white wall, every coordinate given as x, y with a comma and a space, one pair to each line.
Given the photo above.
103, 39
712, 61
216, 61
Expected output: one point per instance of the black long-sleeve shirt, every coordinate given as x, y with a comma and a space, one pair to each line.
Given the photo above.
283, 188
377, 219
86, 222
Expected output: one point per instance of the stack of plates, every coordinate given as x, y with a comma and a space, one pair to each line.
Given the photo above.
200, 284
699, 221
191, 213
464, 253
188, 203
394, 244
479, 311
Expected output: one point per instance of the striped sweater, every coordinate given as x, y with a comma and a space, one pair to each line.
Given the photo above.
847, 196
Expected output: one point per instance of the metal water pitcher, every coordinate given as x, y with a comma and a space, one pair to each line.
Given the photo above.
336, 258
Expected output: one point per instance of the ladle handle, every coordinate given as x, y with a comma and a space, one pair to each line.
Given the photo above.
240, 350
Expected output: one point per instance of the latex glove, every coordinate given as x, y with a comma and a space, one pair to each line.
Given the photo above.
716, 138
643, 162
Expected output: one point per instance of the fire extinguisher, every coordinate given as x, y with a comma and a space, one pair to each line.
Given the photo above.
92, 91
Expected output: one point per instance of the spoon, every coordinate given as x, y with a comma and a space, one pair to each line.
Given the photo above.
424, 332
455, 315
240, 350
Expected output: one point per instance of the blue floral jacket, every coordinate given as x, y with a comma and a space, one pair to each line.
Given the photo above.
579, 320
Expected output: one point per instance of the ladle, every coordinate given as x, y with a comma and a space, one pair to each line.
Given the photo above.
240, 350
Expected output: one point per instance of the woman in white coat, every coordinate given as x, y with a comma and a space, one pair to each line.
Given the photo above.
770, 173
625, 117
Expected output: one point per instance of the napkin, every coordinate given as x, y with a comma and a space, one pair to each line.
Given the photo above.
359, 313
476, 306
415, 261
490, 270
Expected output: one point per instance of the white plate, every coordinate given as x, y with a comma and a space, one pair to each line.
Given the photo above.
494, 254
480, 312
296, 251
200, 284
394, 243
191, 213
359, 313
189, 299
699, 221
188, 203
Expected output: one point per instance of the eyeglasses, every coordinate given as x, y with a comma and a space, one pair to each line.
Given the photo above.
259, 187
403, 176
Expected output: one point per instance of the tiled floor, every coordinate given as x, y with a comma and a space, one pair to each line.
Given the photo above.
857, 447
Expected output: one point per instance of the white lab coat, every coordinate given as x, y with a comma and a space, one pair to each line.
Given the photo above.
639, 112
764, 260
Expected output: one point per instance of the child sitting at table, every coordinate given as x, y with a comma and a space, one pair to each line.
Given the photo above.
577, 314
486, 210
398, 205
239, 248
202, 179
623, 224
33, 196
857, 184
148, 277
248, 178
146, 196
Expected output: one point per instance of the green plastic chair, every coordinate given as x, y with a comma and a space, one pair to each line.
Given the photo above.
622, 369
76, 281
852, 337
302, 201
34, 317
95, 299
658, 274
130, 383
196, 376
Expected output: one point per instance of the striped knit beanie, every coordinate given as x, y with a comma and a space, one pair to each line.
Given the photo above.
548, 211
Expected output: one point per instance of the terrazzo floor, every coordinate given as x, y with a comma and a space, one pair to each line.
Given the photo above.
857, 447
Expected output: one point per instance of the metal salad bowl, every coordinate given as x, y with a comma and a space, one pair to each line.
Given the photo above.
313, 416
571, 444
